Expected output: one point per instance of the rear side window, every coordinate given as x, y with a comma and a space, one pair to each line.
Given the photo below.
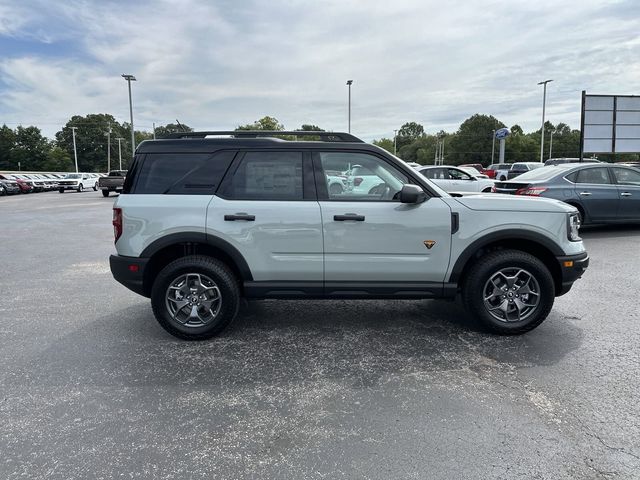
182, 173
267, 176
594, 176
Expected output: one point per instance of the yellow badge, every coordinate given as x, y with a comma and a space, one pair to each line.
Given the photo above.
429, 243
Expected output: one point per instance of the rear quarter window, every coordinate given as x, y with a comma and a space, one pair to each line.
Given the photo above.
181, 173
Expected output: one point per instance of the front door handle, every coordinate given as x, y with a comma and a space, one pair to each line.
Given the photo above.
585, 194
625, 194
239, 216
348, 216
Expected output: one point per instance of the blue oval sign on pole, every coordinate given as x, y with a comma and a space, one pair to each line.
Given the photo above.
502, 133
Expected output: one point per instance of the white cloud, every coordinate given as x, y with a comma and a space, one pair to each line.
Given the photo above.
216, 65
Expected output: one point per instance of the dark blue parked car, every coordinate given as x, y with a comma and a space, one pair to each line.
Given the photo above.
603, 193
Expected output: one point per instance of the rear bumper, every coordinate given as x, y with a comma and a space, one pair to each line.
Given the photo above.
572, 267
129, 271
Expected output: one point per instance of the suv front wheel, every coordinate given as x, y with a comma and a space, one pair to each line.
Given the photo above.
509, 291
195, 297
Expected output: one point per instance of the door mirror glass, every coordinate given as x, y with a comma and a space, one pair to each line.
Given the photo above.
412, 194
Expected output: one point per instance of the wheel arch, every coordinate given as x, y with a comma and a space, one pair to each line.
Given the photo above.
534, 243
169, 248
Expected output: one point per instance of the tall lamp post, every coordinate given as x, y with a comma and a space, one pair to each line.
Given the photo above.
129, 79
120, 150
395, 138
349, 83
544, 101
75, 152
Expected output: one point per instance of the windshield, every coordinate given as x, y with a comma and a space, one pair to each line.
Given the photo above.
544, 173
73, 175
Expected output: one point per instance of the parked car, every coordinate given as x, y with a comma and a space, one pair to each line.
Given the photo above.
629, 164
563, 160
9, 187
472, 171
453, 179
113, 182
361, 181
499, 170
76, 181
252, 217
602, 193
522, 167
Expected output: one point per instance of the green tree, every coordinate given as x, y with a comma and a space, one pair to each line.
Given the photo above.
7, 144
473, 141
265, 123
164, 130
310, 128
386, 143
91, 140
58, 160
30, 148
408, 133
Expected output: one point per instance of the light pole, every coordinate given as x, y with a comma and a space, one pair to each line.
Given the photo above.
551, 144
544, 101
395, 138
75, 153
349, 82
108, 134
120, 151
130, 78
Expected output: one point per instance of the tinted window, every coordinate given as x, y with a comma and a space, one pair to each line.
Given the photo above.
434, 173
626, 176
268, 176
182, 173
596, 176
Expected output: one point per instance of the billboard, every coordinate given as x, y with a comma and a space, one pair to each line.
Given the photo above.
610, 124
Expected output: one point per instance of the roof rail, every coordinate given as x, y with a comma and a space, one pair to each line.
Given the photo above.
324, 136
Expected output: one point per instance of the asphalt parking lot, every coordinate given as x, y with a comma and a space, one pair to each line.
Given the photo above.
92, 387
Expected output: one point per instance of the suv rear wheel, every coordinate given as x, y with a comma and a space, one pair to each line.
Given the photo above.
509, 291
195, 297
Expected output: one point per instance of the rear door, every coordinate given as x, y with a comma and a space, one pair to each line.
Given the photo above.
372, 241
597, 193
268, 210
628, 185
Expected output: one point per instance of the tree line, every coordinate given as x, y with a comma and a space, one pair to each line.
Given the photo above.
27, 149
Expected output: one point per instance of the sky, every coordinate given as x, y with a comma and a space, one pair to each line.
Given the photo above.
214, 65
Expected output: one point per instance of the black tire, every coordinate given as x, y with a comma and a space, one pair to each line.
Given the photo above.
487, 190
95, 187
61, 190
105, 193
478, 280
80, 188
3, 192
503, 178
216, 271
335, 189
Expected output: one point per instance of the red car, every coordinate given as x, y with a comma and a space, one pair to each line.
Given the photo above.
25, 187
481, 169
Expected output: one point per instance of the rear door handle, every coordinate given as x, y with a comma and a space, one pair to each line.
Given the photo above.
239, 216
625, 194
349, 216
585, 194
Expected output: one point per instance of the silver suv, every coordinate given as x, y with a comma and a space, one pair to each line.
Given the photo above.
206, 218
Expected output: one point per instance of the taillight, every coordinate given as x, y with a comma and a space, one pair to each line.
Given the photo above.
531, 191
117, 223
357, 181
493, 189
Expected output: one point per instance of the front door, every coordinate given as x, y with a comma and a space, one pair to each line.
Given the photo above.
372, 239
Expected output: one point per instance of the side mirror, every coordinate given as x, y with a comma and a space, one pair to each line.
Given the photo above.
412, 194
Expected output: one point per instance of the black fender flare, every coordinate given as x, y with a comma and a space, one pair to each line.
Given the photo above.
511, 234
204, 239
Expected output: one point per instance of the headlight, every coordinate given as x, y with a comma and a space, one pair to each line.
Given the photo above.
573, 227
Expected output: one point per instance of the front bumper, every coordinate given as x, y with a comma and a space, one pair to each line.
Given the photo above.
129, 271
572, 267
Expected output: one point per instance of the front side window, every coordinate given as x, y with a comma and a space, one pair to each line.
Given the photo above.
455, 174
626, 176
594, 176
363, 177
268, 176
435, 173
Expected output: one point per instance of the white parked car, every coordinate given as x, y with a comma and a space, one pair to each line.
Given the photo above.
453, 179
362, 181
78, 182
